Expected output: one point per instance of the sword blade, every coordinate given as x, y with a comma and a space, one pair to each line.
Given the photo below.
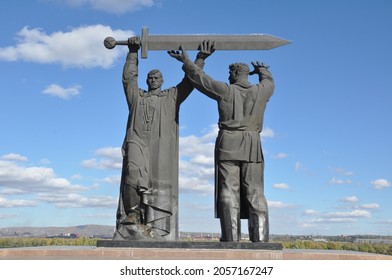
221, 42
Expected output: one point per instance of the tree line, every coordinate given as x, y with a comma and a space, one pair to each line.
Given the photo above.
384, 249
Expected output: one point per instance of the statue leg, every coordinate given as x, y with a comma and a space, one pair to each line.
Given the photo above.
136, 181
253, 189
229, 200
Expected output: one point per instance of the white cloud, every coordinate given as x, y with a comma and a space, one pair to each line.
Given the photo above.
113, 180
282, 186
336, 181
61, 92
370, 206
350, 214
33, 179
381, 184
280, 156
106, 158
73, 200
334, 220
203, 160
198, 206
13, 157
196, 185
310, 212
267, 133
279, 204
79, 47
4, 203
112, 6
350, 199
344, 172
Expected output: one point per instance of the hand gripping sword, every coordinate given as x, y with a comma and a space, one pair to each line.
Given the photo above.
192, 42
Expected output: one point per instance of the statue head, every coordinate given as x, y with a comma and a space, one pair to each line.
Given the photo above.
238, 71
154, 79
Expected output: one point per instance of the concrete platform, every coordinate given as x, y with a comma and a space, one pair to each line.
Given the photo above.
190, 245
99, 253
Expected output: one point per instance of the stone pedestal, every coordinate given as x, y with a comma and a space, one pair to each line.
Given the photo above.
189, 245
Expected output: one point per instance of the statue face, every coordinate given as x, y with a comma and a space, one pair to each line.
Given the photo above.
232, 76
154, 80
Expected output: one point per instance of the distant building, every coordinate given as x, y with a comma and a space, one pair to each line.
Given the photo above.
373, 241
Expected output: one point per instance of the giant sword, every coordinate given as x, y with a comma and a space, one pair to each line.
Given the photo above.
192, 42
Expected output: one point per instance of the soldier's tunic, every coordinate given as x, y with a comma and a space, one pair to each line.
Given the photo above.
239, 163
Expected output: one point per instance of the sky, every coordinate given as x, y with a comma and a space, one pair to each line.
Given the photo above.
327, 131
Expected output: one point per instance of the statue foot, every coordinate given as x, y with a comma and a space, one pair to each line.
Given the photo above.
136, 232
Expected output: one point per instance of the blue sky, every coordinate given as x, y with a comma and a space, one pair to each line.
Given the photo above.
327, 131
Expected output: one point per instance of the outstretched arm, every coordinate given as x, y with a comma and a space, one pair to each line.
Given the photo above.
185, 87
201, 81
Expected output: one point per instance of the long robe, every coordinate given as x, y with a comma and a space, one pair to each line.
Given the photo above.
151, 147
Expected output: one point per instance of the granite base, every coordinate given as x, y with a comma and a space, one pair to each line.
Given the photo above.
189, 245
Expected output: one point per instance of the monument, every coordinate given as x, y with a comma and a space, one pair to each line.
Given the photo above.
148, 200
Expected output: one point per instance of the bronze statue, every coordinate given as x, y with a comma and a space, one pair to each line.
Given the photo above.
148, 201
239, 163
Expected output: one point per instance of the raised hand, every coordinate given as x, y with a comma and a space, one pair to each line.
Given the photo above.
257, 67
180, 55
206, 48
134, 44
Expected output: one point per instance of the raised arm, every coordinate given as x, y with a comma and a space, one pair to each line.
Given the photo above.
185, 87
130, 70
265, 77
199, 79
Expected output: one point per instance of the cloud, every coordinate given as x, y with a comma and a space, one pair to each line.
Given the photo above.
198, 206
279, 204
335, 181
196, 185
196, 166
113, 180
267, 133
280, 156
334, 220
79, 47
370, 206
344, 172
112, 6
13, 157
61, 92
106, 158
282, 186
298, 166
381, 184
350, 214
310, 212
33, 179
350, 199
73, 200
4, 203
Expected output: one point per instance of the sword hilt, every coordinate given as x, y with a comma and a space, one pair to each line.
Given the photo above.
110, 42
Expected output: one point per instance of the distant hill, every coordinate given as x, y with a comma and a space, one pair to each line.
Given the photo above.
82, 230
